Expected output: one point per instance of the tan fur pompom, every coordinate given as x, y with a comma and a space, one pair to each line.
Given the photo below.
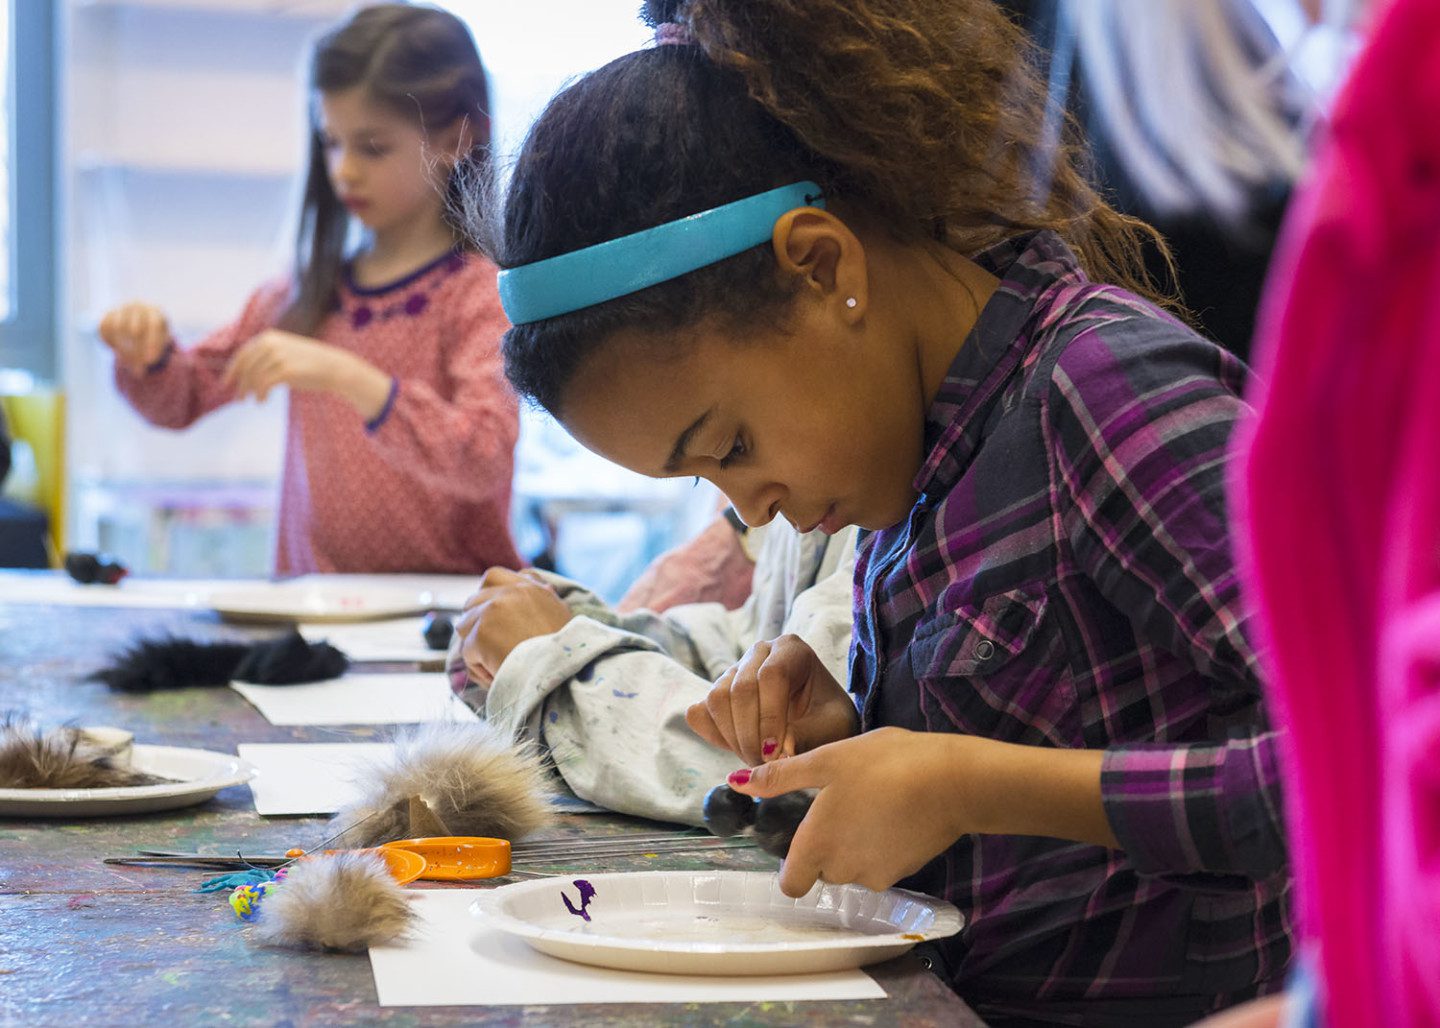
343, 901
470, 779
31, 758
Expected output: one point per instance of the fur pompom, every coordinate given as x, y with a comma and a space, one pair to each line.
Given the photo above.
153, 664
341, 901
34, 759
464, 778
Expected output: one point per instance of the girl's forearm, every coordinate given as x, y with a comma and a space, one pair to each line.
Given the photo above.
1031, 790
363, 385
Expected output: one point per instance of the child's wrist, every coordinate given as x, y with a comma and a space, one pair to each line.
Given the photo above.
366, 387
1013, 789
162, 360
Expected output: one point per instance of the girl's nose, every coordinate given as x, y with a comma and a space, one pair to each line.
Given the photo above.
757, 507
343, 170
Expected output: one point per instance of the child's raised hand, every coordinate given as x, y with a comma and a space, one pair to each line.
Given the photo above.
138, 333
508, 608
777, 700
889, 802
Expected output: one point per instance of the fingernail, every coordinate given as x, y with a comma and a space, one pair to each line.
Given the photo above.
769, 747
741, 777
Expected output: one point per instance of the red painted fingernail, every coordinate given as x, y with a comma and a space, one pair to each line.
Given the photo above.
769, 747
741, 777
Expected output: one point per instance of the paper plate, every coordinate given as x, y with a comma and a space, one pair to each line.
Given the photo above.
317, 603
199, 775
713, 922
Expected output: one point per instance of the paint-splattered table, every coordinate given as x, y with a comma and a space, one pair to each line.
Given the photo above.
86, 943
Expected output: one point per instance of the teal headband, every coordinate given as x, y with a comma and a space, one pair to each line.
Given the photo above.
619, 267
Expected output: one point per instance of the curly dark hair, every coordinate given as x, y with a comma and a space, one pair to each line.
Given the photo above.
926, 117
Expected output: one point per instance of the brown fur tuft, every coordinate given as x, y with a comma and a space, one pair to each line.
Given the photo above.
343, 901
34, 759
470, 779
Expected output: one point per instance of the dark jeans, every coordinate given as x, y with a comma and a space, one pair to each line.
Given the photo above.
22, 536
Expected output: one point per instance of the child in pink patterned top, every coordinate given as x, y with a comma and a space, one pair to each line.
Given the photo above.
399, 448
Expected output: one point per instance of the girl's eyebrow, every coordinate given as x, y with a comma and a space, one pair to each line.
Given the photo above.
365, 132
677, 454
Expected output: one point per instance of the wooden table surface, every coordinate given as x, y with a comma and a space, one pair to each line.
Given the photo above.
86, 943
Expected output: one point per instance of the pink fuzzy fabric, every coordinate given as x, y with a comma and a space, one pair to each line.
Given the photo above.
1339, 489
711, 568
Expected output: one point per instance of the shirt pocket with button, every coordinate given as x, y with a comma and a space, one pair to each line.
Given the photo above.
997, 669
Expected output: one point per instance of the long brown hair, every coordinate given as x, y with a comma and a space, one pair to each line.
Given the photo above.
927, 115
418, 61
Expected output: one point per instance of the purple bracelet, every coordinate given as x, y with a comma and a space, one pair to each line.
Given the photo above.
379, 419
163, 360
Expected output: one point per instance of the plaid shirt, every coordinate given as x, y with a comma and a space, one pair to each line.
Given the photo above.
1066, 579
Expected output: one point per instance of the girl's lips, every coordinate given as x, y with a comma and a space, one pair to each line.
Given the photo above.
354, 205
832, 522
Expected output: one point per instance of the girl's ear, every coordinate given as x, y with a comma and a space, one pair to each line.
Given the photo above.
822, 250
450, 144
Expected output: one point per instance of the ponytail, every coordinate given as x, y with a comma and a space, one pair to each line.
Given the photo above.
927, 116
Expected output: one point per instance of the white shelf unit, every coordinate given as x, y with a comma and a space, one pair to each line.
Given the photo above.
306, 9
182, 135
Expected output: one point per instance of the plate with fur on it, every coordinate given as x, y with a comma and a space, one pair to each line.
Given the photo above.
179, 777
713, 922
318, 603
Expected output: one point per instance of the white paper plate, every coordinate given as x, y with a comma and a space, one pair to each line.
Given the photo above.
199, 775
715, 922
284, 602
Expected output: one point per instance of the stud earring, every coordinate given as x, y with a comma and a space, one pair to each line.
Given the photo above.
852, 303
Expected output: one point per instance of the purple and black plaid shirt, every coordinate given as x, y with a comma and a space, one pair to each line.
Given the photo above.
1066, 580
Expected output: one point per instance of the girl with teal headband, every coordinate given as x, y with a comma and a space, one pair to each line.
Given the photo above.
835, 258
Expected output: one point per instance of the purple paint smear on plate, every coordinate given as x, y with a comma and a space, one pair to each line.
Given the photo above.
587, 893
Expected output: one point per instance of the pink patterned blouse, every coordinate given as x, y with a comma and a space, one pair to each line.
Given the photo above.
425, 486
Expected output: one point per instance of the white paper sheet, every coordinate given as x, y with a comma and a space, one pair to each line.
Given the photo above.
296, 778
403, 699
309, 778
448, 592
400, 640
55, 588
455, 961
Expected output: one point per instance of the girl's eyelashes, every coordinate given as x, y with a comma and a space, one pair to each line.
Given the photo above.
368, 149
738, 449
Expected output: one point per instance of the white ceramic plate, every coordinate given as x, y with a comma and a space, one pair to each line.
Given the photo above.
714, 922
199, 775
312, 602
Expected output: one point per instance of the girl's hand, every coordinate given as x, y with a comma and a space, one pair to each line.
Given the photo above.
508, 608
778, 700
138, 333
275, 358
890, 801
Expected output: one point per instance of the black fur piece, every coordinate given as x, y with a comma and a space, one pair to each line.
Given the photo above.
290, 660
154, 664
778, 818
